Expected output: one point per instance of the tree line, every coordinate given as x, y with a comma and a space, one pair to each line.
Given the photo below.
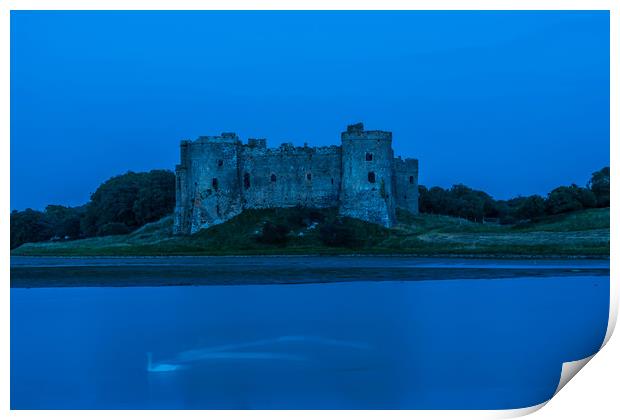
126, 202
120, 205
478, 206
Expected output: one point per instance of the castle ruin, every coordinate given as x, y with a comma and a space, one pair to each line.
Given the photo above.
219, 177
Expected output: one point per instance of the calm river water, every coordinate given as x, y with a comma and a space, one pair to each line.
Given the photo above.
488, 341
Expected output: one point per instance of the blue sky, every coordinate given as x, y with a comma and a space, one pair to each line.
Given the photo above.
513, 103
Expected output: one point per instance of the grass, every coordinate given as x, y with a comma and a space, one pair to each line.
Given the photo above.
583, 234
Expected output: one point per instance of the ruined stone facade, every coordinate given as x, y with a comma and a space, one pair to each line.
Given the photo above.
219, 177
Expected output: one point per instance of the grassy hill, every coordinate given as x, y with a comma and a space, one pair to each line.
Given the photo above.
584, 233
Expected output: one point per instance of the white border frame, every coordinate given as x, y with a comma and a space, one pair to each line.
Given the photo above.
8, 5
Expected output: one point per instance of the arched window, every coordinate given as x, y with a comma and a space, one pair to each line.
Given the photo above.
246, 180
368, 157
371, 177
273, 178
411, 179
214, 183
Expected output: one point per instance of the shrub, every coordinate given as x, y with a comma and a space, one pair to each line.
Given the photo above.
274, 234
304, 216
337, 234
114, 228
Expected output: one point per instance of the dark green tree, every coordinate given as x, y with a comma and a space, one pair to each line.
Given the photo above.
459, 201
530, 208
155, 198
599, 185
28, 226
567, 199
64, 221
132, 199
423, 199
434, 200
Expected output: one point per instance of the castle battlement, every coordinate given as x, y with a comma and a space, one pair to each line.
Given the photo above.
222, 138
290, 149
219, 177
258, 143
367, 135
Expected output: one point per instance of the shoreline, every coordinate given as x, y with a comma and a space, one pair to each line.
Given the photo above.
182, 271
329, 255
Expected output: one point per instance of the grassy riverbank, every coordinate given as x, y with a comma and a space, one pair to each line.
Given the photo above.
578, 234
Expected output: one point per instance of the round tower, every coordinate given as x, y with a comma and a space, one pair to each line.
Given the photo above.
213, 181
367, 175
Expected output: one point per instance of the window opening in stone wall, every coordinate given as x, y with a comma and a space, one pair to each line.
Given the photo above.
220, 162
309, 176
246, 180
368, 157
371, 177
332, 181
214, 183
273, 178
411, 179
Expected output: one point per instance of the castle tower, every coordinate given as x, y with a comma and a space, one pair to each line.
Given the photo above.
367, 175
181, 209
406, 184
208, 183
218, 177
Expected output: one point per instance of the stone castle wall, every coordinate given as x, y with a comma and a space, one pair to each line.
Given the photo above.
289, 176
219, 177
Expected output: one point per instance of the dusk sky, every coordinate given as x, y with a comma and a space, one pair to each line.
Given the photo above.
512, 103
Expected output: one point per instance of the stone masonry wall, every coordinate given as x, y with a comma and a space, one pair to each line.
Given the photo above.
219, 177
406, 184
289, 176
212, 181
367, 176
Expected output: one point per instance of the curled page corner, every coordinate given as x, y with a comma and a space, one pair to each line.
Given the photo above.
614, 295
569, 370
520, 412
